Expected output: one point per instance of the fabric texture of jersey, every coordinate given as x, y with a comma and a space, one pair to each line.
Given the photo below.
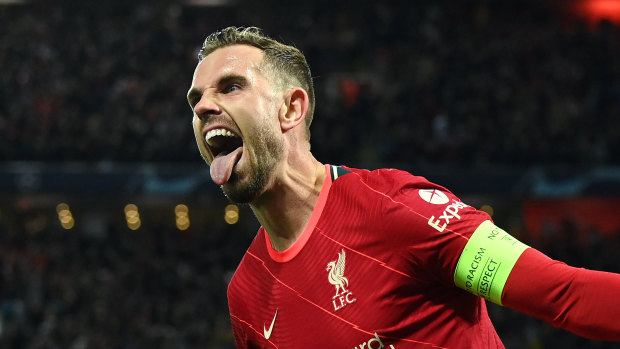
373, 269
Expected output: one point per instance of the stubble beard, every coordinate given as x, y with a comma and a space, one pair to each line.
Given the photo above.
269, 153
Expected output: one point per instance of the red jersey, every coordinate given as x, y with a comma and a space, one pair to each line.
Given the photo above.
373, 269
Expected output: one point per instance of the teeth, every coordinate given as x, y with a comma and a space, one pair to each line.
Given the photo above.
218, 132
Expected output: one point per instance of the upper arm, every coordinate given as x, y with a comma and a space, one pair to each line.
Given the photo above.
486, 261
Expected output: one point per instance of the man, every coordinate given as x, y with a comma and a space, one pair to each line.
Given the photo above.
350, 258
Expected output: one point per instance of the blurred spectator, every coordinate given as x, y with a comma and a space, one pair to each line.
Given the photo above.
155, 287
468, 83
158, 287
471, 84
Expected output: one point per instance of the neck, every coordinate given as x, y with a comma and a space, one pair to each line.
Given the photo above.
285, 209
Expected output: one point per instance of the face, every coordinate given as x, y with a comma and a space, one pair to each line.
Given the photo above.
236, 120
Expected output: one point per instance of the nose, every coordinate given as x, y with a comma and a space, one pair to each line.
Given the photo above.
206, 107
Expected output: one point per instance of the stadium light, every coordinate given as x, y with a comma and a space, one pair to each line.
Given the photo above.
65, 217
231, 214
132, 216
181, 211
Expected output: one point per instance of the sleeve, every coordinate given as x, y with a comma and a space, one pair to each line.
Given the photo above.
432, 222
579, 300
439, 231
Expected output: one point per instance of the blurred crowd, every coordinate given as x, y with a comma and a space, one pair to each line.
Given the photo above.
468, 83
112, 287
158, 287
579, 246
472, 83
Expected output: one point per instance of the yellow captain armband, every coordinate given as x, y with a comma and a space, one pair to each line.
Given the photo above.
487, 260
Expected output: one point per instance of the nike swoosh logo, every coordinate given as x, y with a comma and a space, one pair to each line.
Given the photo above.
267, 332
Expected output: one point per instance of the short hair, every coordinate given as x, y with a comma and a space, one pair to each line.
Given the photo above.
287, 62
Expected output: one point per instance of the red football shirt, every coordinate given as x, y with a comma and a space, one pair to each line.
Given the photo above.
373, 269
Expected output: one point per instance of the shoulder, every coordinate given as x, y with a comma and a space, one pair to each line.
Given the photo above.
392, 191
390, 181
413, 199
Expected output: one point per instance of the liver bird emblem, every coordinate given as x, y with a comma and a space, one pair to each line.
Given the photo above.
336, 274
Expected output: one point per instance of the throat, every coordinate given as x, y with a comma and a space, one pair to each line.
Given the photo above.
291, 213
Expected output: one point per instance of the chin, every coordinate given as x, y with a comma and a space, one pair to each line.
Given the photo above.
238, 197
241, 193
245, 187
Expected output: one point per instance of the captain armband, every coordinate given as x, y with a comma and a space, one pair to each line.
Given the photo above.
486, 262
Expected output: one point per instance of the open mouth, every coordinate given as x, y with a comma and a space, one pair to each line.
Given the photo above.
222, 141
226, 148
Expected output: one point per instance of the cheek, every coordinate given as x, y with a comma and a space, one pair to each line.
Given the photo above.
197, 125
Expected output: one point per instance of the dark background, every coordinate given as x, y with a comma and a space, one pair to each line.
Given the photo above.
508, 104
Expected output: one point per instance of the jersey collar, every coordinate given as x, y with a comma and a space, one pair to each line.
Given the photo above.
291, 252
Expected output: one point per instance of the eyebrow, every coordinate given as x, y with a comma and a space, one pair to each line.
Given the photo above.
232, 78
194, 93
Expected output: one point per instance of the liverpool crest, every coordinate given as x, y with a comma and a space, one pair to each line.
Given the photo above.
335, 270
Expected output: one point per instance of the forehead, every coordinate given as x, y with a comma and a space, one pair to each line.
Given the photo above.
235, 59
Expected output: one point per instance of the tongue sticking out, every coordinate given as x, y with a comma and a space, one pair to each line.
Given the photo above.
222, 166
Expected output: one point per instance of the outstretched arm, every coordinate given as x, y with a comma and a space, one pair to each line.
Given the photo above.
585, 302
498, 267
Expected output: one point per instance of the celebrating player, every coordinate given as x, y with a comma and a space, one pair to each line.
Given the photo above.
351, 258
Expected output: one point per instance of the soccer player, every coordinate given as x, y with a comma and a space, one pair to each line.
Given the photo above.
351, 258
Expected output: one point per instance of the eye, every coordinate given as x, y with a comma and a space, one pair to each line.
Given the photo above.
231, 88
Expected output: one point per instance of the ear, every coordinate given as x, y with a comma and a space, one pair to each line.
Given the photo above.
293, 111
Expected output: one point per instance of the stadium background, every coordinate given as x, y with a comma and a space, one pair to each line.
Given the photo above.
514, 106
